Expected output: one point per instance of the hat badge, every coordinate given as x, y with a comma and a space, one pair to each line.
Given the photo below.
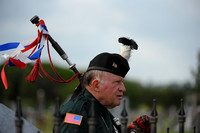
114, 65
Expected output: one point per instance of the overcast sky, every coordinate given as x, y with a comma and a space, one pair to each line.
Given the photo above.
167, 32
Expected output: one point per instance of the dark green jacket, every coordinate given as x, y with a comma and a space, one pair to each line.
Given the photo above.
81, 106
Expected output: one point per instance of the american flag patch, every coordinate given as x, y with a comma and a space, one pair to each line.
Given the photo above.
73, 119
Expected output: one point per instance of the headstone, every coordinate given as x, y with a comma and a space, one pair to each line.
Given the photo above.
7, 122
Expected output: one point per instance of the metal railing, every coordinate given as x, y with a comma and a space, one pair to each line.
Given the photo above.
92, 121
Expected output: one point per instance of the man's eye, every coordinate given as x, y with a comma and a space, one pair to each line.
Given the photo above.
118, 82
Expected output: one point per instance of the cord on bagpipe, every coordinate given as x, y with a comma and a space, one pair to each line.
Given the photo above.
63, 55
62, 80
35, 71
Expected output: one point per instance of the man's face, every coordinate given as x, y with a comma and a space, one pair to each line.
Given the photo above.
111, 90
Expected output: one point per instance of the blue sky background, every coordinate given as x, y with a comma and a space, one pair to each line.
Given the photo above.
167, 32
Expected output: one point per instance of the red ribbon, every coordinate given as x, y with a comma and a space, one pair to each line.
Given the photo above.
3, 76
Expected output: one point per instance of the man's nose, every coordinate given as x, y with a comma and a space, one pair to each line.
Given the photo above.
122, 88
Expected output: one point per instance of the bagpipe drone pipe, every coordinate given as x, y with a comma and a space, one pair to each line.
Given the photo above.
56, 46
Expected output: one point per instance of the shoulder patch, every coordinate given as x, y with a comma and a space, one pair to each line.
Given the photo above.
73, 118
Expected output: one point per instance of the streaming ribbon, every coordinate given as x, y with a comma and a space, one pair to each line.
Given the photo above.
18, 57
20, 60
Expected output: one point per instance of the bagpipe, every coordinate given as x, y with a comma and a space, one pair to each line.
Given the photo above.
56, 46
140, 125
19, 58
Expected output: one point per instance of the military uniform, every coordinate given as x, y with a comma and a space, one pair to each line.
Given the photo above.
81, 106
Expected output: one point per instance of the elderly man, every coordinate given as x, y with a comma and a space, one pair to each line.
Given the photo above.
104, 82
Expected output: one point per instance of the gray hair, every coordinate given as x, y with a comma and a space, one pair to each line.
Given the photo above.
90, 75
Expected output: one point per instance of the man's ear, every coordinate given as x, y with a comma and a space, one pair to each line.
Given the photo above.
95, 84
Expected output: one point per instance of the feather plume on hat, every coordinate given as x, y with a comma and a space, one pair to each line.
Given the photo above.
128, 45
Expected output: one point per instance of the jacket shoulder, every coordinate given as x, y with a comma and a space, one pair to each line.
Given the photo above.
79, 105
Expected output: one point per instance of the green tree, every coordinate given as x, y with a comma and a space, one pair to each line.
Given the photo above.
197, 74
